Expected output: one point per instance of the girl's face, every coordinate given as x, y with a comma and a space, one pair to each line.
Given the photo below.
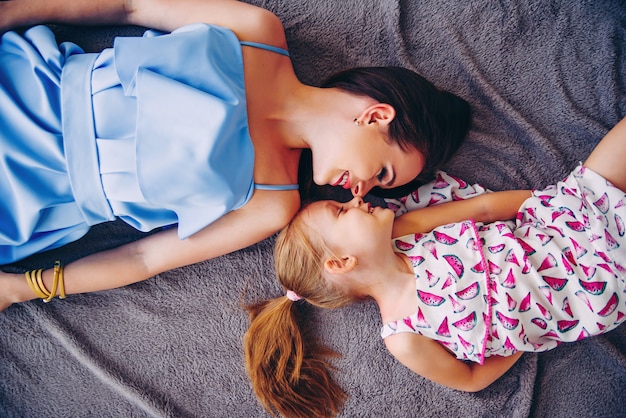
364, 160
352, 228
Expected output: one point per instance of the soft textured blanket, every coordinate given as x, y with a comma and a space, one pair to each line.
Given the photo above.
546, 80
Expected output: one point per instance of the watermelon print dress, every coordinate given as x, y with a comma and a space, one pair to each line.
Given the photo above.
556, 275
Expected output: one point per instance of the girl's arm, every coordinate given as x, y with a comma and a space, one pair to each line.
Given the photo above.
488, 207
432, 361
262, 216
249, 22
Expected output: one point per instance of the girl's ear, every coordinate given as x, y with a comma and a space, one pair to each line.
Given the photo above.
340, 265
379, 113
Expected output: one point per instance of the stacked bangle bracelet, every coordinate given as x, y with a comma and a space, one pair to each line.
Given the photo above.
34, 278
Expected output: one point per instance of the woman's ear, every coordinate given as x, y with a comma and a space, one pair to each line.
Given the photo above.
379, 113
340, 265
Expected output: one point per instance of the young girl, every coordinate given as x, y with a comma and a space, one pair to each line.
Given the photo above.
201, 128
474, 289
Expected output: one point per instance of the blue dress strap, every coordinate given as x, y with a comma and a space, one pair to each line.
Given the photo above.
280, 51
276, 187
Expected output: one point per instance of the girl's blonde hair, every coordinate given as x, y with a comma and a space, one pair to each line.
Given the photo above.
287, 366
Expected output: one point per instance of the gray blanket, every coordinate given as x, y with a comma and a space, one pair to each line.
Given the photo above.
546, 80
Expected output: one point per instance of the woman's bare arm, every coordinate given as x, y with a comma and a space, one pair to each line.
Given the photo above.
249, 22
262, 216
432, 361
488, 207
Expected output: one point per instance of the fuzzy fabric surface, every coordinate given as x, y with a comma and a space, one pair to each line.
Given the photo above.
546, 80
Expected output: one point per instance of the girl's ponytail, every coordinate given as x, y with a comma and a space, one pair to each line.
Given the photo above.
287, 368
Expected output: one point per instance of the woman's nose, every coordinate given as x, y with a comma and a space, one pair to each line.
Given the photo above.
356, 201
360, 189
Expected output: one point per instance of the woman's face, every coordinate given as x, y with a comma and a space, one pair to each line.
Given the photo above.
364, 160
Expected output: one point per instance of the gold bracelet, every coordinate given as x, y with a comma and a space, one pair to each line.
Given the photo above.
34, 278
58, 277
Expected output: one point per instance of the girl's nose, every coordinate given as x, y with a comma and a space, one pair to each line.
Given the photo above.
356, 201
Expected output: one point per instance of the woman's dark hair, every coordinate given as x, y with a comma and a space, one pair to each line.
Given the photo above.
432, 121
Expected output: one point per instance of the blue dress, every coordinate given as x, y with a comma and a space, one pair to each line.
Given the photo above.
153, 131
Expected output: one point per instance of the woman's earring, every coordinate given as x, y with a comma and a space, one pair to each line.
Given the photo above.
357, 122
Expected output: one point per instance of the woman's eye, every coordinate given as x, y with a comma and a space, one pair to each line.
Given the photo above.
340, 210
381, 176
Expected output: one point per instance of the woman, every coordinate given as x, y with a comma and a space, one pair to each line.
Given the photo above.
201, 128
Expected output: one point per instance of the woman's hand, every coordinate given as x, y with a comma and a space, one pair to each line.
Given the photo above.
13, 289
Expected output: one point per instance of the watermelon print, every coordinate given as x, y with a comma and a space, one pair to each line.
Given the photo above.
469, 292
456, 264
444, 238
619, 223
595, 288
610, 306
430, 299
602, 203
566, 325
566, 308
555, 282
553, 275
444, 329
509, 283
403, 245
466, 324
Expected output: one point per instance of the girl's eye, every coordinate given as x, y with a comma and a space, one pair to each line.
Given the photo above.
340, 210
382, 174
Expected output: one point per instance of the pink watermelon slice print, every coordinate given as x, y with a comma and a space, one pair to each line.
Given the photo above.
566, 324
456, 264
547, 263
583, 334
466, 324
415, 196
529, 250
494, 249
444, 330
594, 288
546, 313
567, 308
602, 203
610, 306
509, 282
430, 299
540, 323
610, 241
440, 182
467, 346
619, 223
511, 257
508, 345
444, 238
524, 305
575, 226
403, 245
420, 320
470, 292
407, 322
512, 303
567, 265
508, 323
436, 198
432, 279
456, 306
431, 247
555, 283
